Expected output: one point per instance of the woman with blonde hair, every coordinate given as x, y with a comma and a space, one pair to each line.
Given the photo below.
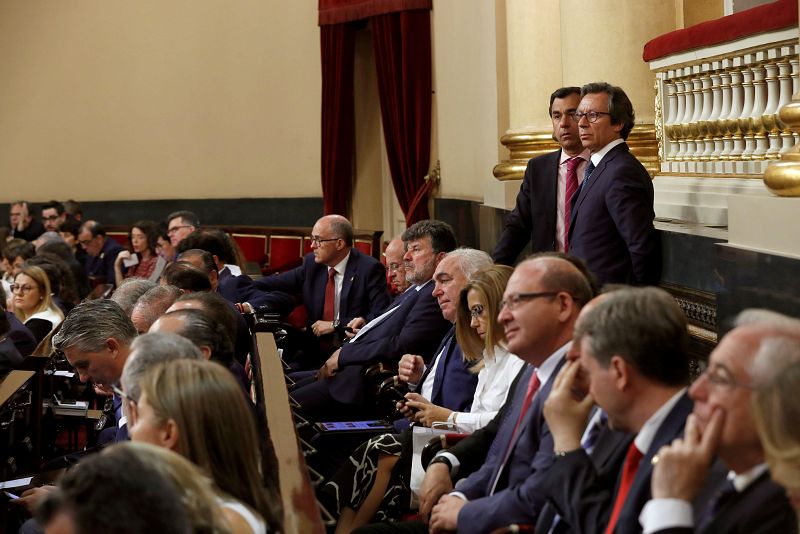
197, 409
33, 301
776, 371
374, 484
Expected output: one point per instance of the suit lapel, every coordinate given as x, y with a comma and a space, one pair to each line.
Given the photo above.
350, 272
441, 369
593, 179
320, 280
429, 369
545, 198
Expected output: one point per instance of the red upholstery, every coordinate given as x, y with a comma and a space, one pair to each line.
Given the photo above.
119, 237
769, 17
284, 249
363, 246
306, 245
254, 247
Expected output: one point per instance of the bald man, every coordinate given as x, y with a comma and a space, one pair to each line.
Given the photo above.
337, 284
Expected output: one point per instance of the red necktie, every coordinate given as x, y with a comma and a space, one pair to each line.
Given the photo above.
629, 468
330, 292
572, 186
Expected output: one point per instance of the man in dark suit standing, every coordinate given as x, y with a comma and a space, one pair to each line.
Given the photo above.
541, 303
542, 213
722, 425
337, 283
633, 351
611, 225
412, 324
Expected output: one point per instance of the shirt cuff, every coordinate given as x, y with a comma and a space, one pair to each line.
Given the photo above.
459, 495
660, 514
454, 463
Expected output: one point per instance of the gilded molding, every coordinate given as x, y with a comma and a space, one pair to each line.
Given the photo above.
782, 177
523, 146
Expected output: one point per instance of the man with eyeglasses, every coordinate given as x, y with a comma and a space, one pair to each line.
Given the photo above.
101, 252
53, 215
395, 267
633, 348
611, 216
180, 224
541, 304
23, 225
542, 212
337, 283
722, 426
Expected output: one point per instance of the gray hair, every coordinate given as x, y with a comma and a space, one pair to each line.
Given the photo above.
644, 326
767, 318
129, 292
148, 350
197, 327
88, 326
470, 260
155, 302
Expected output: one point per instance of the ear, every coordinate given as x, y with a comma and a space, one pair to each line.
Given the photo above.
621, 370
218, 263
169, 435
205, 350
112, 345
566, 307
440, 256
617, 127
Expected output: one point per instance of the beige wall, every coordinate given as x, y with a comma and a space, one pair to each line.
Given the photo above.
159, 99
465, 82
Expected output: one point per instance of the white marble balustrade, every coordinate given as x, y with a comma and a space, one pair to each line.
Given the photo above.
719, 114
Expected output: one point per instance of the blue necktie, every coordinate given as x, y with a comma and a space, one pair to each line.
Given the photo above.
727, 491
586, 174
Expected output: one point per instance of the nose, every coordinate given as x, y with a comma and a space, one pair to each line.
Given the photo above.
83, 376
583, 121
437, 290
407, 256
564, 121
473, 322
699, 388
504, 316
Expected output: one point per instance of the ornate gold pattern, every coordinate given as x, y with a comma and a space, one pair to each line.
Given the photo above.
523, 146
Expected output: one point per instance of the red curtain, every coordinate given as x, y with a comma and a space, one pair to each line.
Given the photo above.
337, 46
402, 44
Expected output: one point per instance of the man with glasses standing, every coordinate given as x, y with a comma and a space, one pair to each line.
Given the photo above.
542, 213
102, 252
337, 283
611, 217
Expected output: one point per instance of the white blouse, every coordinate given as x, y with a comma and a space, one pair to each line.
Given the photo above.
493, 382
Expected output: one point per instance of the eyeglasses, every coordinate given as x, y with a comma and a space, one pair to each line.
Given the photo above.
50, 218
317, 240
176, 228
476, 311
395, 266
718, 375
121, 394
21, 288
513, 301
84, 242
591, 116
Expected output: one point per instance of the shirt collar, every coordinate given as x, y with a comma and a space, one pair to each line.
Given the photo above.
598, 156
649, 429
583, 155
342, 265
545, 371
742, 480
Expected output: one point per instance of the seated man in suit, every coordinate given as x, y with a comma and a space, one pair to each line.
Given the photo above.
541, 303
337, 283
722, 425
413, 324
394, 265
611, 219
102, 252
95, 338
633, 351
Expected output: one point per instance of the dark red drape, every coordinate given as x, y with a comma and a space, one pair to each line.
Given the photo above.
337, 46
402, 44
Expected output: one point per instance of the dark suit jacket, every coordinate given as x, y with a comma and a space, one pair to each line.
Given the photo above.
34, 230
515, 498
103, 264
364, 288
10, 358
534, 217
584, 493
19, 334
761, 508
453, 384
242, 288
416, 327
612, 222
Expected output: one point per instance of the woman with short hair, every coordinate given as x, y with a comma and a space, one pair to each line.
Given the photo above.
33, 302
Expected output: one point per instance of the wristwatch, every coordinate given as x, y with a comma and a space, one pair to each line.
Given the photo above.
335, 324
441, 460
